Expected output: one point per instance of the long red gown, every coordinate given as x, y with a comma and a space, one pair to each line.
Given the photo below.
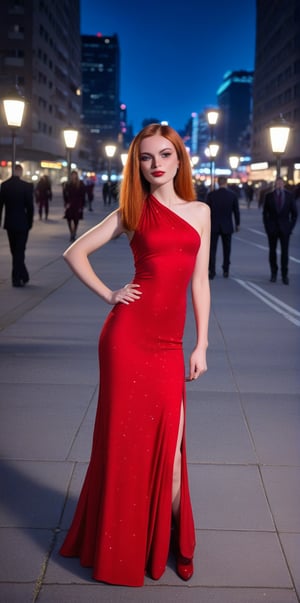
122, 523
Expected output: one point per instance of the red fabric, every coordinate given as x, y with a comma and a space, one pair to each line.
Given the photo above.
123, 519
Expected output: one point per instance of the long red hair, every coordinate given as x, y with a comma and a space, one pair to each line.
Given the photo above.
134, 187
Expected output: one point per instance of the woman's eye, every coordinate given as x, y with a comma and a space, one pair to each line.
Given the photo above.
145, 157
167, 154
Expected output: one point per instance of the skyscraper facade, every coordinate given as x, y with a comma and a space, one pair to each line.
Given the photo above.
40, 52
100, 87
235, 103
276, 89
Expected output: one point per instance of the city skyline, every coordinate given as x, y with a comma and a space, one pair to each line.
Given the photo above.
167, 73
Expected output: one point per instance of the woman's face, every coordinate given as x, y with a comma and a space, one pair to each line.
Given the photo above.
158, 160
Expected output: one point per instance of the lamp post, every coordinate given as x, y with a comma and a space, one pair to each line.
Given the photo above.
212, 118
14, 107
70, 137
213, 148
279, 134
110, 150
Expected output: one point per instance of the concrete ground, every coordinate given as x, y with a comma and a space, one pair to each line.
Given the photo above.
242, 424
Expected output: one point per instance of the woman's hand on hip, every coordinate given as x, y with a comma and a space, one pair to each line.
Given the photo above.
129, 293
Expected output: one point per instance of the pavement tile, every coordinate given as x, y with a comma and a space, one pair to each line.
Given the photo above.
57, 412
17, 592
291, 545
57, 367
74, 488
34, 493
282, 486
82, 444
216, 429
229, 498
235, 559
162, 594
274, 421
22, 554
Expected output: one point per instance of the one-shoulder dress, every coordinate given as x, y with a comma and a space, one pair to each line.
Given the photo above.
122, 524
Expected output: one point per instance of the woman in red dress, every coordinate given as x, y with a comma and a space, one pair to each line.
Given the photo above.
136, 487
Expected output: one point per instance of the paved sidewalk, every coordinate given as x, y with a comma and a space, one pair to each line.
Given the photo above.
242, 425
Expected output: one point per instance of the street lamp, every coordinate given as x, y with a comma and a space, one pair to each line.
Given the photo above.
124, 157
213, 149
70, 137
234, 161
110, 150
212, 118
194, 160
14, 107
279, 134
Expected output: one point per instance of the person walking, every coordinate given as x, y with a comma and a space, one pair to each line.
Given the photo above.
224, 205
137, 482
89, 189
279, 218
74, 199
16, 196
43, 194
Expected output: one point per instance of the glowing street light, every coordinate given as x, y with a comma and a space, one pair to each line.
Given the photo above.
212, 117
213, 149
14, 107
110, 150
234, 161
279, 135
124, 157
70, 136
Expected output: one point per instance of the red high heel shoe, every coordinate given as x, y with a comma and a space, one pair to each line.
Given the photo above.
184, 567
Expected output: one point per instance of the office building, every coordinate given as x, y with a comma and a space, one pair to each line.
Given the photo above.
235, 104
276, 90
40, 51
100, 87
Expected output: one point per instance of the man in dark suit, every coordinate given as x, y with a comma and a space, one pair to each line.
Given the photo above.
223, 205
279, 218
16, 196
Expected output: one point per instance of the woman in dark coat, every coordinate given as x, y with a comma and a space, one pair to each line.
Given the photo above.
74, 197
43, 194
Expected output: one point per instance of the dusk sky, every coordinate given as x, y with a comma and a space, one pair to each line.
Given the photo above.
174, 55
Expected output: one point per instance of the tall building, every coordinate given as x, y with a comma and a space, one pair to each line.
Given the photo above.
101, 87
40, 51
276, 89
235, 103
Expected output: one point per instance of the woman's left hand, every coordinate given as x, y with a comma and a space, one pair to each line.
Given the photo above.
198, 365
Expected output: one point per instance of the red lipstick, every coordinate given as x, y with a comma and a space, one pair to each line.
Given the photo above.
157, 173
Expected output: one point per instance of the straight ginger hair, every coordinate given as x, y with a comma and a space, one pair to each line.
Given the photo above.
134, 187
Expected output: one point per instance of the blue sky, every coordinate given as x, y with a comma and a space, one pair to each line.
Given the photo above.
174, 56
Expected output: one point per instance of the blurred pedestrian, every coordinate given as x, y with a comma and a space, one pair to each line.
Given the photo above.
248, 192
105, 191
16, 196
43, 194
224, 205
74, 197
279, 218
89, 189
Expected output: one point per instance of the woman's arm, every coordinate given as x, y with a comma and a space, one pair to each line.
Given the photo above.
77, 257
201, 297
